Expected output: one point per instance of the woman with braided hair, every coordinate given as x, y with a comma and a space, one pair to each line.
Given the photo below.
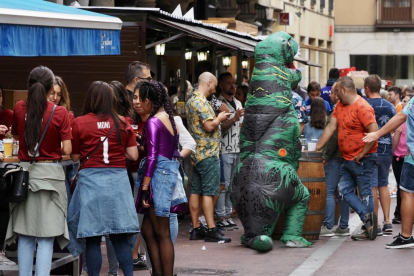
157, 182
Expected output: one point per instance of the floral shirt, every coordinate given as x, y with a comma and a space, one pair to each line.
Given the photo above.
300, 107
198, 112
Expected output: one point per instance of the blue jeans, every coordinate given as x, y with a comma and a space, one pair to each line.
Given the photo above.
224, 205
332, 174
25, 254
354, 175
173, 227
122, 250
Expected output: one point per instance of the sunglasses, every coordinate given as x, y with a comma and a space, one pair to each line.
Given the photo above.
145, 79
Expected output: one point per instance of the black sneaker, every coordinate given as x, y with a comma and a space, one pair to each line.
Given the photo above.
371, 225
140, 263
396, 220
400, 242
387, 228
197, 234
213, 235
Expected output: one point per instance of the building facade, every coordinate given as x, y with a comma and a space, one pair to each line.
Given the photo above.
375, 35
311, 23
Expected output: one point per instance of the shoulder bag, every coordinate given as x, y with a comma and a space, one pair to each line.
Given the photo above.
15, 181
74, 180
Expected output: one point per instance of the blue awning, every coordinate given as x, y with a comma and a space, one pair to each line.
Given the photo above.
41, 28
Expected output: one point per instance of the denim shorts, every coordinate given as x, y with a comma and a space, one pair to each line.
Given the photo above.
407, 178
381, 170
206, 177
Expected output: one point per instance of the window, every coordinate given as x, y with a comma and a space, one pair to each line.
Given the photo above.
313, 3
389, 3
322, 4
404, 3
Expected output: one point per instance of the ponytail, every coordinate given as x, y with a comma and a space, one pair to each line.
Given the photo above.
40, 81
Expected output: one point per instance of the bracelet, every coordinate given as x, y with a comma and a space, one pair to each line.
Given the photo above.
145, 185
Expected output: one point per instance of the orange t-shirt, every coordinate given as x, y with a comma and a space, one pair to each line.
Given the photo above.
399, 107
352, 121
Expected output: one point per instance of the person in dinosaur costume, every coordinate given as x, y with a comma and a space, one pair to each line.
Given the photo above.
265, 183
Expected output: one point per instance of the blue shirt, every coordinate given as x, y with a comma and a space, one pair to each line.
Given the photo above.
409, 111
308, 106
384, 111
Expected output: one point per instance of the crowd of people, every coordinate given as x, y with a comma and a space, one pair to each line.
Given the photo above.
130, 146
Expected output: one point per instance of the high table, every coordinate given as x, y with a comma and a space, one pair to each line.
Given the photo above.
60, 258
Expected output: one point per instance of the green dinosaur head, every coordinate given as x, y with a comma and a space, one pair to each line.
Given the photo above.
279, 48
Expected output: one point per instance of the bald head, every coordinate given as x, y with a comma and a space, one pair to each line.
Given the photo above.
207, 84
205, 77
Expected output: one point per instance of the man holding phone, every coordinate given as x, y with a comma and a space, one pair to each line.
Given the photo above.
204, 126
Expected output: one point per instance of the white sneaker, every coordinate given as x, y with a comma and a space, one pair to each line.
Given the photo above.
4, 260
325, 232
296, 244
84, 273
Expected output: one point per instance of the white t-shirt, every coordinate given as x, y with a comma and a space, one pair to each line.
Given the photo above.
229, 142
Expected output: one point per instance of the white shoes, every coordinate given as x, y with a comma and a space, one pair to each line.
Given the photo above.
4, 260
296, 244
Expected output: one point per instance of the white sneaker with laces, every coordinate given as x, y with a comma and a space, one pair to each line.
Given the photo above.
296, 244
325, 232
4, 260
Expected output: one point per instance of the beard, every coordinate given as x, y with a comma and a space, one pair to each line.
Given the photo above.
230, 93
209, 98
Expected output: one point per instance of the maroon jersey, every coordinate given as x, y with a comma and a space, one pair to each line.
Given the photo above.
88, 132
58, 131
6, 118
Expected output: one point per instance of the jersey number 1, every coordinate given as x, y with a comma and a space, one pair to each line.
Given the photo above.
105, 150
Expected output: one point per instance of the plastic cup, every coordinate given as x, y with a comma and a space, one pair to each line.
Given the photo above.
8, 147
311, 146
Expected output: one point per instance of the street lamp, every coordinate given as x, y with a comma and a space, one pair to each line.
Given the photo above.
160, 49
245, 63
188, 55
226, 61
201, 56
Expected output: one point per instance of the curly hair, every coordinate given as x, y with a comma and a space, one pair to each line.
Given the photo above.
156, 93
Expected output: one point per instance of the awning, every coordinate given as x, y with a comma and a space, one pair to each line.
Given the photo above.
232, 42
41, 28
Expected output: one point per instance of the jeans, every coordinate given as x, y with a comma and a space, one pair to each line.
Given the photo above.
122, 250
224, 205
354, 175
397, 164
25, 254
112, 260
173, 227
332, 173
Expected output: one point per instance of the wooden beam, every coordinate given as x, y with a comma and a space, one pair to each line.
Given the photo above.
162, 41
315, 48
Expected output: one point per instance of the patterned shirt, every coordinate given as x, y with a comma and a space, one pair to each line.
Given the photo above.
384, 111
198, 112
300, 107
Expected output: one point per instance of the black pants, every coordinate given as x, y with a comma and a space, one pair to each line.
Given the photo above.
397, 168
4, 218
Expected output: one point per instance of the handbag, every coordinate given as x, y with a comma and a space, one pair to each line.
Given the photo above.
74, 180
16, 180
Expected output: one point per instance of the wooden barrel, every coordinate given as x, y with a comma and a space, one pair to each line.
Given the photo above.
312, 175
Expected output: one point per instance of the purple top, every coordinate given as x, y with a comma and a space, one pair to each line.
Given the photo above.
158, 141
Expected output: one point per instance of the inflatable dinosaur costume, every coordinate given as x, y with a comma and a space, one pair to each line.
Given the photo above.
265, 183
